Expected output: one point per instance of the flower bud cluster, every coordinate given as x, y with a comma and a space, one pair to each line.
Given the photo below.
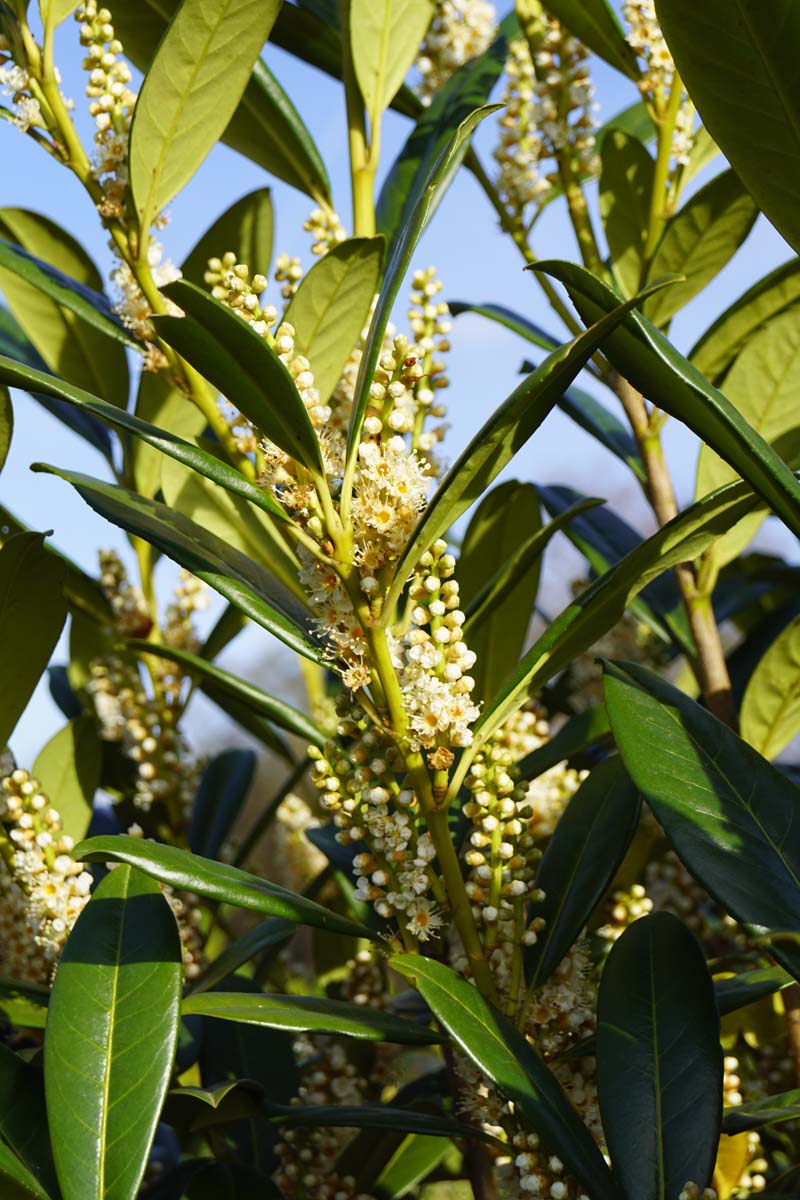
624, 908
460, 31
190, 596
111, 103
131, 614
42, 888
288, 272
658, 71
296, 860
692, 1191
231, 283
521, 147
430, 324
360, 779
672, 889
436, 661
326, 230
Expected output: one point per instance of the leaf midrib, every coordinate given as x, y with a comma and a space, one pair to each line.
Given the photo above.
106, 1090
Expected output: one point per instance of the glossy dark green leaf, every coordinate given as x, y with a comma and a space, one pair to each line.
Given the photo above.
23, 1124
32, 614
699, 241
278, 711
273, 932
307, 1014
728, 812
223, 348
722, 341
191, 1109
332, 305
223, 790
468, 88
424, 199
245, 229
509, 320
199, 460
755, 1114
510, 1062
506, 432
738, 991
576, 734
596, 419
376, 1116
626, 185
238, 579
19, 1183
90, 306
216, 881
580, 861
598, 609
228, 1181
659, 1061
265, 127
69, 769
191, 89
597, 26
658, 371
64, 337
23, 1004
112, 1030
746, 92
14, 345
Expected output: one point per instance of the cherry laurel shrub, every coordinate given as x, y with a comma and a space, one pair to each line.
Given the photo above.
518, 911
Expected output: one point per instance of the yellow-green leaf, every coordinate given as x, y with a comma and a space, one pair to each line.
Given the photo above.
6, 424
770, 716
384, 38
161, 403
626, 183
69, 769
245, 229
190, 92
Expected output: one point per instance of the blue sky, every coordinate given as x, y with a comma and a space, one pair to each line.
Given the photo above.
475, 261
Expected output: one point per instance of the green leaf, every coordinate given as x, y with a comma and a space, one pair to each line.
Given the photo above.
597, 26
376, 1116
331, 307
728, 813
659, 1061
699, 241
647, 360
506, 432
112, 1030
32, 614
634, 120
90, 306
703, 150
190, 92
749, 986
22, 1117
508, 319
722, 341
423, 201
245, 229
263, 936
191, 1109
576, 734
468, 88
747, 92
18, 1182
507, 516
16, 346
216, 881
764, 386
69, 769
53, 12
161, 403
232, 356
581, 859
6, 424
168, 443
385, 36
412, 1162
223, 790
57, 299
602, 605
238, 579
309, 1014
23, 1004
265, 127
755, 1114
282, 714
770, 714
626, 185
509, 1061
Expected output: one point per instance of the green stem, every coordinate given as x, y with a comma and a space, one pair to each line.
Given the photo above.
658, 197
362, 161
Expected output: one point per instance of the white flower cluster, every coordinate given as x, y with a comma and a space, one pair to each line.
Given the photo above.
645, 36
111, 103
15, 83
460, 31
549, 113
42, 888
131, 614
